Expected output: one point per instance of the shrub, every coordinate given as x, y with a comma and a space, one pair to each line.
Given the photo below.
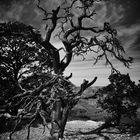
119, 97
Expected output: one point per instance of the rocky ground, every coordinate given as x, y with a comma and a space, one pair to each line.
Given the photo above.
79, 121
72, 132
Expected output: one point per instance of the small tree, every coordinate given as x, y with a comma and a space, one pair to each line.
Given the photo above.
53, 96
119, 98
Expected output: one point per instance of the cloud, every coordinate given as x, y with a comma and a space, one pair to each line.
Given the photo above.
109, 12
119, 14
129, 37
129, 31
15, 12
12, 10
85, 70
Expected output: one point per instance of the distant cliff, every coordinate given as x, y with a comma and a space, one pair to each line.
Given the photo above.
86, 109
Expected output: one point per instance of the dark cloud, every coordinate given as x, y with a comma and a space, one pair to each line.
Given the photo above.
123, 13
10, 2
136, 45
12, 9
27, 14
131, 10
19, 10
6, 3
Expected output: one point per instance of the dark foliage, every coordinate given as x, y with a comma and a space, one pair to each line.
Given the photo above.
119, 98
20, 56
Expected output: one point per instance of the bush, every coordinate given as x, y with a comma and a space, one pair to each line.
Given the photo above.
119, 97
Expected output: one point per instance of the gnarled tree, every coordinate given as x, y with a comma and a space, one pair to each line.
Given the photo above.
55, 96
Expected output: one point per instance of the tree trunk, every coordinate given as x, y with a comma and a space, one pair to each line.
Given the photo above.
118, 119
59, 118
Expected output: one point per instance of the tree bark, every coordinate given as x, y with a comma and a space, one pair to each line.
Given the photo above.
59, 118
56, 117
118, 119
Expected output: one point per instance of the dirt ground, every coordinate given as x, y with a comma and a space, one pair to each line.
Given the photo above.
72, 132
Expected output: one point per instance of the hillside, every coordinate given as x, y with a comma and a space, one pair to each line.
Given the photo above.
86, 108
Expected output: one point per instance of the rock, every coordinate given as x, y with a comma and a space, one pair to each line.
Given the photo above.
78, 125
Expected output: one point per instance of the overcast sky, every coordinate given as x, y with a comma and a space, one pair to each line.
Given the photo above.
124, 15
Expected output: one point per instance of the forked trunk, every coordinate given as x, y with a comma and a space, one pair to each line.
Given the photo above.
59, 118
